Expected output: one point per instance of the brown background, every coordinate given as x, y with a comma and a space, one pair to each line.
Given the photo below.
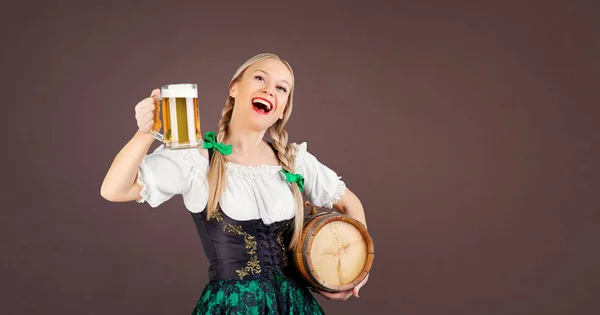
469, 131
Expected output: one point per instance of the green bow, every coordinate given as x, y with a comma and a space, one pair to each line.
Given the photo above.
210, 142
290, 177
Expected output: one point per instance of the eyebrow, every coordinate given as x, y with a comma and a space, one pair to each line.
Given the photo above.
269, 74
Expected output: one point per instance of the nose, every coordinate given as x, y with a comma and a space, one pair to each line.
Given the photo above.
268, 90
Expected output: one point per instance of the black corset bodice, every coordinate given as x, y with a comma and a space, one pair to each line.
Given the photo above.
242, 249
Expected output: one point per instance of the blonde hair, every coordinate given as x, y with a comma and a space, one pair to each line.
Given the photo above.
286, 153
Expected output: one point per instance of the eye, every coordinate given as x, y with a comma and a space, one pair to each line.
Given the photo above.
281, 88
259, 77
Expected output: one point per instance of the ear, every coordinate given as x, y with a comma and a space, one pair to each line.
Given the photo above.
233, 90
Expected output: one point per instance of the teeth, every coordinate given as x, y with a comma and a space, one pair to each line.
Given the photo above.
264, 103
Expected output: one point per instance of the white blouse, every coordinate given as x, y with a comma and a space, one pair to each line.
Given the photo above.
251, 192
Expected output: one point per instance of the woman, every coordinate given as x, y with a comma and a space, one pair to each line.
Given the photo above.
242, 192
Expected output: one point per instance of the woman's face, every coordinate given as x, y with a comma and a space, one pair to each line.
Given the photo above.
262, 93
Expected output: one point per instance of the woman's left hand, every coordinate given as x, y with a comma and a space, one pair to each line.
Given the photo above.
344, 295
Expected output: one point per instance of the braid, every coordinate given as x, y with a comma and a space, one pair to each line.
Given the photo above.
225, 119
287, 157
216, 173
280, 141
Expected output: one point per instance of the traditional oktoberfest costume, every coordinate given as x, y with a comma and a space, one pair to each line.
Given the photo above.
246, 238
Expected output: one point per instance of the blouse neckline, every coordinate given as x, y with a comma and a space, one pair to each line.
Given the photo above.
241, 170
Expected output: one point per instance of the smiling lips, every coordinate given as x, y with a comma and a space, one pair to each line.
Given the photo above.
262, 105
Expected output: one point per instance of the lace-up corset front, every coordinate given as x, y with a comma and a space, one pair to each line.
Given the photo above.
241, 249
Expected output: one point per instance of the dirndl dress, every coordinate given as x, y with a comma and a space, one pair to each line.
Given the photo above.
245, 240
249, 271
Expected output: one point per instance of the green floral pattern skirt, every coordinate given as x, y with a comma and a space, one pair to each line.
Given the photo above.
276, 294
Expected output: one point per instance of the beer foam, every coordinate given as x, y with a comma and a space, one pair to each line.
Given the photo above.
180, 92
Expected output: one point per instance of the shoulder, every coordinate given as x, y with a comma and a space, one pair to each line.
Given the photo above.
308, 160
304, 158
300, 149
197, 158
204, 153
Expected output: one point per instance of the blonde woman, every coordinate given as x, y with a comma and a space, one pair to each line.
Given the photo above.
242, 192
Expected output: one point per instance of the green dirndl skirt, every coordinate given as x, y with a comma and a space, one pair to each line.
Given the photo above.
276, 294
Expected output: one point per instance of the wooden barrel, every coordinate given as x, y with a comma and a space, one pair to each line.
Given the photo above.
335, 252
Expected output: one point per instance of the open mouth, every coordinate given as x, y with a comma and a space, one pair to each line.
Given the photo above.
261, 105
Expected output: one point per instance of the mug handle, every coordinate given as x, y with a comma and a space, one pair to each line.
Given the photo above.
157, 135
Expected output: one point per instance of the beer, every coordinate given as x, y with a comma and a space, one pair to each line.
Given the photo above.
180, 116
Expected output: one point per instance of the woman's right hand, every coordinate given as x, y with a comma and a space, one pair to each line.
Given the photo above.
146, 113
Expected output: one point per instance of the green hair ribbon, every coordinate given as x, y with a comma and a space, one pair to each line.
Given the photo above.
291, 178
210, 142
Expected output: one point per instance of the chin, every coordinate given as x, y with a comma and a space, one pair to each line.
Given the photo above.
260, 124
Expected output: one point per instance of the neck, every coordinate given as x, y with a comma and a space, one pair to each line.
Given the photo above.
245, 141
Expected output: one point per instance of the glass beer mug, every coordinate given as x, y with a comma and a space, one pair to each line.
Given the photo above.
180, 117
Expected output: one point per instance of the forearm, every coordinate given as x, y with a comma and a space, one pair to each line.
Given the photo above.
123, 170
350, 204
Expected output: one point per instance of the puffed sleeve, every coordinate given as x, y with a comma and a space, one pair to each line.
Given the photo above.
165, 173
322, 186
